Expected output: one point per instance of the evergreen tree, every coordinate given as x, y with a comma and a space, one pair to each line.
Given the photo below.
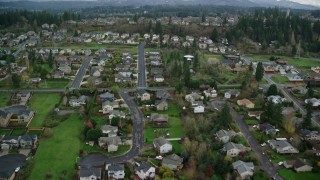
214, 35
224, 117
306, 123
15, 80
158, 28
259, 71
251, 67
50, 59
203, 18
273, 90
196, 61
310, 92
187, 74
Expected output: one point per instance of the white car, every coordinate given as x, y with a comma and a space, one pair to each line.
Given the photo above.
17, 169
159, 157
280, 163
263, 144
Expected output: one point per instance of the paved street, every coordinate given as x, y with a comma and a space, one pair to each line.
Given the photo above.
81, 72
141, 66
266, 165
289, 97
97, 159
35, 90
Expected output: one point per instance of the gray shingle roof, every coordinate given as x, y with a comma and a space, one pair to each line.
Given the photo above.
86, 172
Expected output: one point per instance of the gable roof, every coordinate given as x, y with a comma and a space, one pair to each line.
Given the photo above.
87, 172
143, 166
172, 159
230, 145
242, 167
8, 164
116, 167
158, 142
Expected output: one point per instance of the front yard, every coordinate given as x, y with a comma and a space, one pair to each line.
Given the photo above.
4, 98
43, 104
54, 83
56, 156
280, 79
290, 174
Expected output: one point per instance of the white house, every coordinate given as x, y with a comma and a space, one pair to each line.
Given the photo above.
315, 102
282, 146
115, 171
198, 107
193, 97
225, 136
110, 131
110, 143
233, 149
109, 106
158, 78
162, 145
210, 93
145, 171
276, 99
143, 95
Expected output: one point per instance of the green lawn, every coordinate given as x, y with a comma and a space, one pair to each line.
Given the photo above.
175, 130
90, 149
37, 132
291, 175
251, 121
4, 98
275, 157
59, 153
42, 104
173, 110
5, 131
303, 62
260, 136
19, 132
51, 84
280, 79
176, 146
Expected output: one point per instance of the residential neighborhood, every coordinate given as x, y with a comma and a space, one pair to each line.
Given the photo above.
159, 92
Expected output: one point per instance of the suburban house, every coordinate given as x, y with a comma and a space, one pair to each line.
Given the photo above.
231, 94
110, 143
57, 74
78, 102
210, 93
197, 107
162, 145
193, 97
299, 165
282, 146
244, 169
255, 114
159, 120
308, 135
22, 97
110, 131
162, 94
161, 105
28, 141
315, 102
246, 102
233, 149
276, 99
158, 78
11, 140
225, 136
145, 171
116, 113
143, 95
115, 171
18, 113
107, 96
267, 128
173, 161
90, 173
9, 163
109, 106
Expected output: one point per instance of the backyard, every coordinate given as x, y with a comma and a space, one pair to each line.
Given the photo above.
43, 105
57, 155
51, 84
174, 130
4, 98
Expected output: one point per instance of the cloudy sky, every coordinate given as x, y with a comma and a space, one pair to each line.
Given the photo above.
311, 2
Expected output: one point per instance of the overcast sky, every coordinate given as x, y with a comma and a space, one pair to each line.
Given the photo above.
311, 2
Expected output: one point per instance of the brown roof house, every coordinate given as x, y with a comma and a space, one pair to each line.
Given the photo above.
246, 102
299, 165
159, 120
173, 161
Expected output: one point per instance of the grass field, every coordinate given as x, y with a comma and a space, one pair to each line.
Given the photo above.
298, 62
176, 146
19, 132
4, 98
251, 121
5, 131
275, 157
175, 129
290, 174
54, 84
59, 153
280, 79
42, 104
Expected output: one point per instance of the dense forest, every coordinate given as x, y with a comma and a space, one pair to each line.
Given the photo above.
265, 26
35, 18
